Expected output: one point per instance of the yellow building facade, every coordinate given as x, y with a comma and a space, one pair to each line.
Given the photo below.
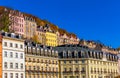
51, 39
90, 68
78, 61
41, 62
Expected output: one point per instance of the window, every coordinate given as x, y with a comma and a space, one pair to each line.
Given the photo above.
38, 68
11, 45
5, 64
11, 54
11, 75
34, 67
11, 65
5, 44
29, 67
65, 76
83, 70
65, 62
16, 75
16, 55
56, 69
21, 66
69, 61
83, 76
37, 60
21, 75
77, 69
21, 46
21, 55
83, 61
76, 61
29, 59
5, 75
77, 76
5, 54
16, 45
53, 69
65, 69
70, 69
16, 65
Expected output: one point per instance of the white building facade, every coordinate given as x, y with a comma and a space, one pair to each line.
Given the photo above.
13, 57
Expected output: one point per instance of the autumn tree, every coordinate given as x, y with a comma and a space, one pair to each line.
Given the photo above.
118, 48
35, 38
5, 21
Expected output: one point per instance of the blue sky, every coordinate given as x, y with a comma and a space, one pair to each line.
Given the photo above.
89, 19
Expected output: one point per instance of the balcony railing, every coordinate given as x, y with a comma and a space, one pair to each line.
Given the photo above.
67, 72
77, 72
83, 72
42, 71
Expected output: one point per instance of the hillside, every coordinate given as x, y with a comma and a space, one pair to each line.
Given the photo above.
41, 22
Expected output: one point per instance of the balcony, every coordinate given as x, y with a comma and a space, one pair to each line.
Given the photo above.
83, 72
98, 71
29, 71
91, 71
76, 72
105, 72
95, 72
34, 61
33, 71
67, 72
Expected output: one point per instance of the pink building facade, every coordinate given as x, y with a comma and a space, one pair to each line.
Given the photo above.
17, 22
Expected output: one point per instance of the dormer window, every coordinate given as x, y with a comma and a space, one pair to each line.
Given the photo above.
75, 54
64, 54
45, 51
41, 51
38, 50
69, 54
56, 53
49, 52
33, 50
91, 54
82, 54
94, 54
97, 55
29, 49
52, 52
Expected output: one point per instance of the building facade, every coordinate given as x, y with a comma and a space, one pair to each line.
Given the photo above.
41, 61
0, 56
17, 22
51, 39
13, 60
73, 40
62, 39
30, 27
77, 61
41, 35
